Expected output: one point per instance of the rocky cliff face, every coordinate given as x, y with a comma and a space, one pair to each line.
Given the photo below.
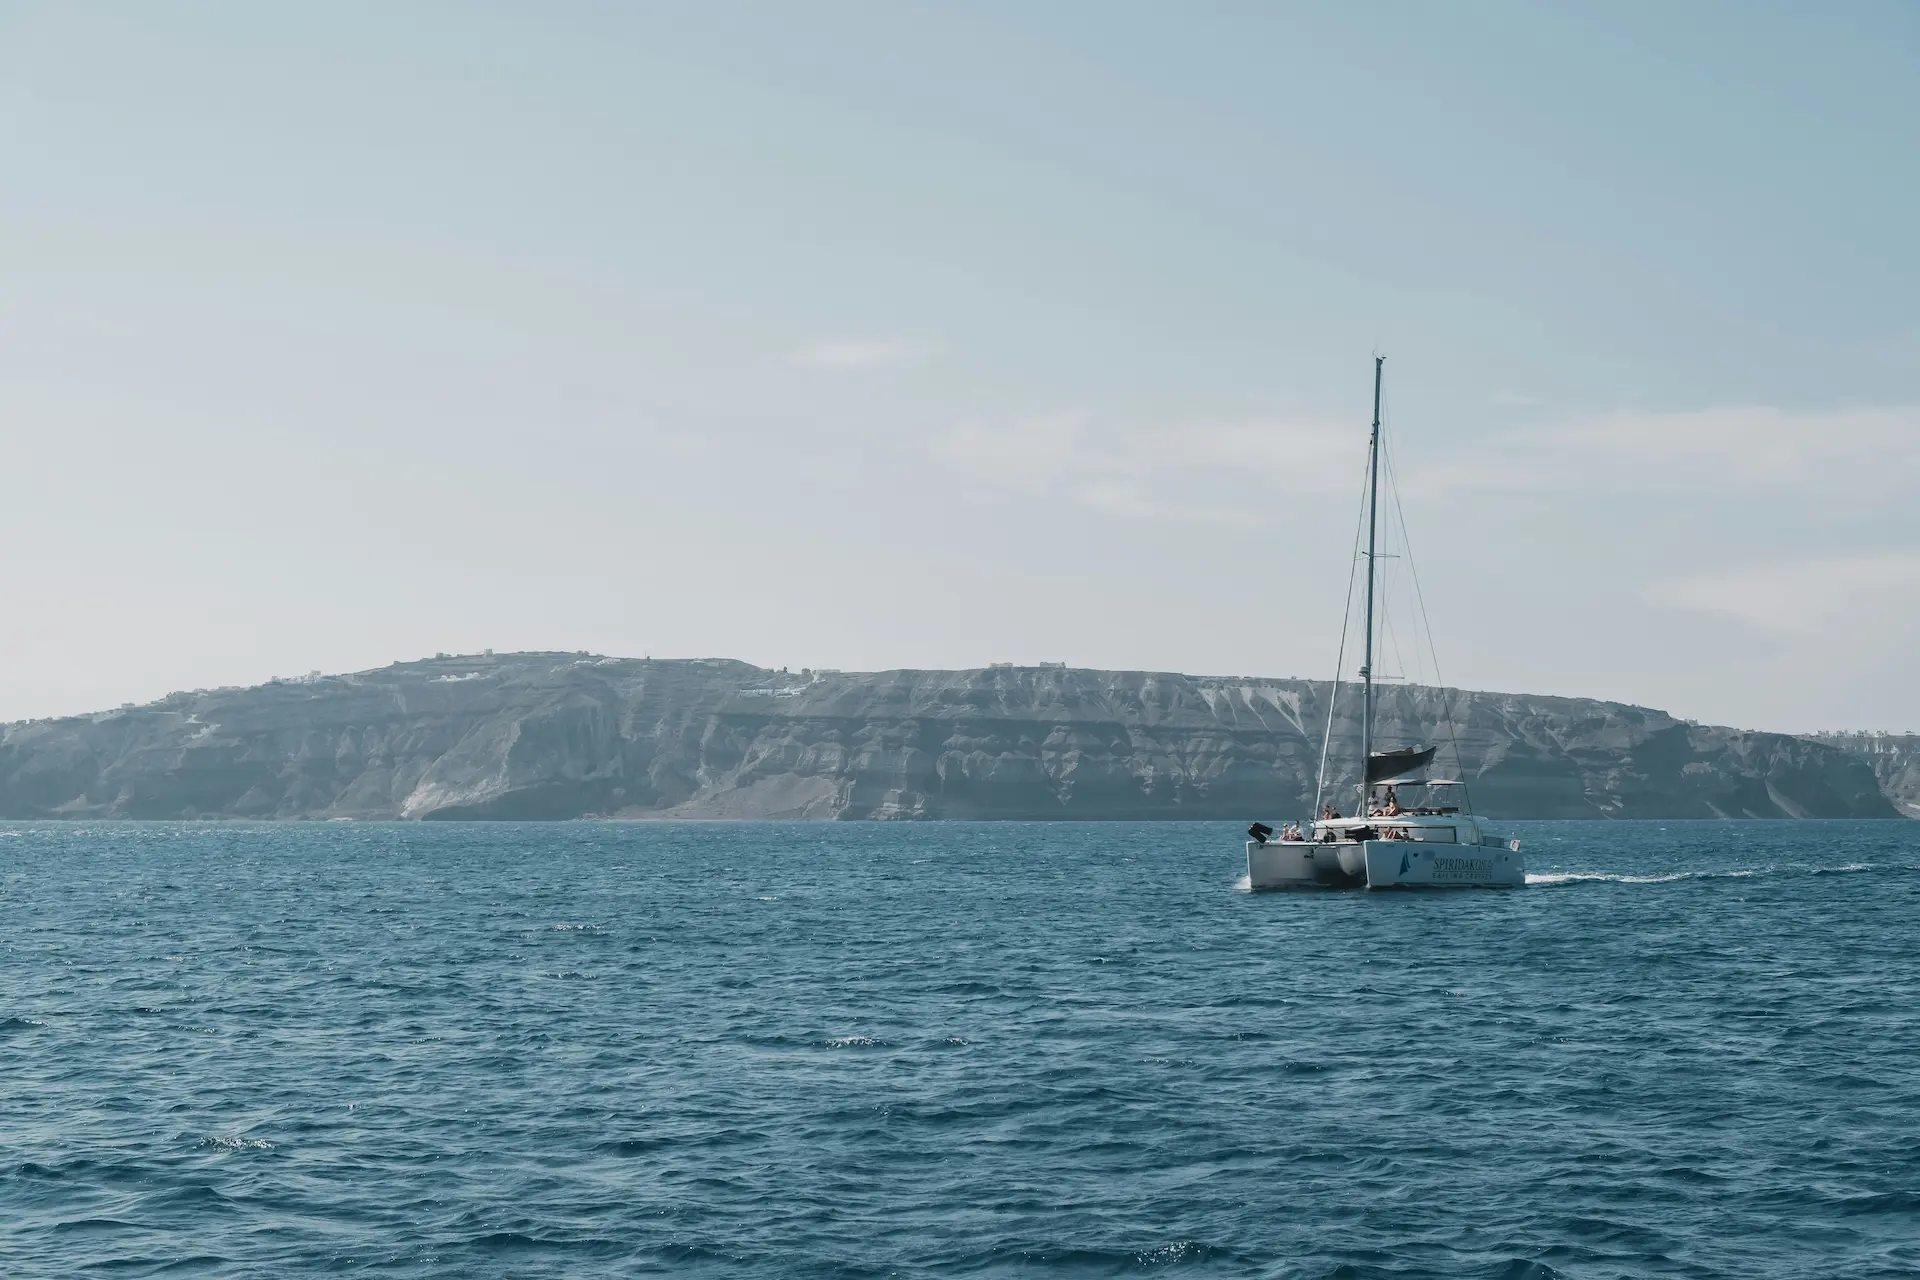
1894, 759
550, 735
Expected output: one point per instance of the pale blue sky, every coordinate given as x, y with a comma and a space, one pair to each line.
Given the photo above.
909, 335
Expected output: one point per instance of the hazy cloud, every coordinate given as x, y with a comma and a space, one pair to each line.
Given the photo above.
1862, 591
1028, 453
1752, 447
1210, 472
1730, 450
856, 355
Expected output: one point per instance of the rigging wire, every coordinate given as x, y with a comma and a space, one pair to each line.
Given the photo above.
1340, 662
1387, 635
1446, 702
1389, 584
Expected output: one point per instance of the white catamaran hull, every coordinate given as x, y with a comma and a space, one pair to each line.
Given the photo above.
1382, 864
1295, 864
1398, 864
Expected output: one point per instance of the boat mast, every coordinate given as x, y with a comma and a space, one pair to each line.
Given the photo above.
1373, 514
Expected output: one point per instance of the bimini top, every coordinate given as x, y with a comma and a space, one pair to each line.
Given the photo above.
1383, 766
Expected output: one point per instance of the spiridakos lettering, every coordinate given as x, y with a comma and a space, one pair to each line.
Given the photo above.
1462, 868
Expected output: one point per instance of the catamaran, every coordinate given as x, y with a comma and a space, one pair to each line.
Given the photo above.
1408, 830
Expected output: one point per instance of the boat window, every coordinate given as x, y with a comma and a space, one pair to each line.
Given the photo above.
1434, 835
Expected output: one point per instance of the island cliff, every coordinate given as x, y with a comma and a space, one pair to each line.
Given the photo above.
1894, 759
565, 735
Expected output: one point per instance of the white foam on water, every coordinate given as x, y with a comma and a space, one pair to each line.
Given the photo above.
1548, 878
234, 1142
1581, 877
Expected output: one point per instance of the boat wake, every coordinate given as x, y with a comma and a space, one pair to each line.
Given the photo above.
1551, 878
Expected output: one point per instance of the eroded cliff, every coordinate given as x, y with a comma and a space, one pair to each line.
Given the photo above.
1894, 759
560, 735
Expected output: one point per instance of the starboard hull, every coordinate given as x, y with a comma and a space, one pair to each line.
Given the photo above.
1399, 864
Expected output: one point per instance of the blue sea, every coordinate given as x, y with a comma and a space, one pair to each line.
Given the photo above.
606, 1049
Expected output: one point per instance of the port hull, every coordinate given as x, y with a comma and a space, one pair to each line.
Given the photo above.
1296, 864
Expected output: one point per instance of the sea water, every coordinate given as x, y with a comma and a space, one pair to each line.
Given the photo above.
951, 1049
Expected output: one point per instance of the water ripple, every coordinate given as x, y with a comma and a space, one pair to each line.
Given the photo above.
453, 1050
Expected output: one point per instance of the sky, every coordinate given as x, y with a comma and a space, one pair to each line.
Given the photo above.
922, 335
